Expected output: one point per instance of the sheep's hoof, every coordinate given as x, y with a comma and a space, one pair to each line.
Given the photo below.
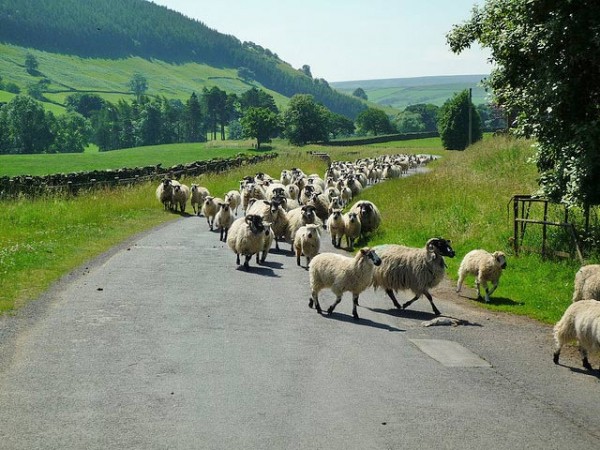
355, 316
555, 358
330, 310
310, 303
587, 364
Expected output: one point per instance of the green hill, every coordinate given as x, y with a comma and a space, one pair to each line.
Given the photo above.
105, 41
402, 92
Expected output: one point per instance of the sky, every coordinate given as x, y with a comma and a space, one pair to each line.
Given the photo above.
348, 40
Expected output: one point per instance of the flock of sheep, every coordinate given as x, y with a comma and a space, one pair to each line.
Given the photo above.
296, 207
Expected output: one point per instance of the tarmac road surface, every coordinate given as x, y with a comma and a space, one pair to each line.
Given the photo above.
164, 343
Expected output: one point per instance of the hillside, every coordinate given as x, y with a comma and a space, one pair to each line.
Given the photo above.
401, 92
115, 30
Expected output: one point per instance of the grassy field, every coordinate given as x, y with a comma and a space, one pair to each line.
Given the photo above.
463, 197
110, 78
167, 155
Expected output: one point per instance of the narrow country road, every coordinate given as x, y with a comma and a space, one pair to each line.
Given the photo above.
165, 344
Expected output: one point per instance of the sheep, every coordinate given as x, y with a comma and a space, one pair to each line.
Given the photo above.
335, 226
234, 199
181, 194
223, 220
587, 283
246, 237
307, 242
352, 229
268, 241
580, 321
341, 274
272, 212
164, 193
416, 269
321, 204
369, 215
198, 195
210, 207
485, 266
298, 217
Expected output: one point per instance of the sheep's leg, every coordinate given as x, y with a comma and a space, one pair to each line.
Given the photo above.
221, 234
354, 305
332, 307
435, 310
488, 293
276, 243
237, 259
584, 359
247, 261
257, 257
461, 278
556, 355
298, 254
478, 285
410, 302
314, 299
391, 295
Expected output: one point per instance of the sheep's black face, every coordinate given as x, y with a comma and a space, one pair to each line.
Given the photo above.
374, 257
366, 209
442, 247
255, 223
309, 213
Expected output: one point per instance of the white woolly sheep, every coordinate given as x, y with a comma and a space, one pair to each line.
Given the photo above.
234, 199
580, 321
341, 274
297, 218
352, 229
181, 194
307, 242
416, 269
247, 237
210, 208
369, 215
223, 220
268, 241
321, 204
198, 195
587, 283
272, 212
164, 193
485, 266
336, 228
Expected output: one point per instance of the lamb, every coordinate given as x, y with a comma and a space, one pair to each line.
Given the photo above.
307, 242
268, 241
416, 269
164, 193
298, 217
587, 283
335, 226
352, 229
181, 194
210, 207
485, 266
369, 215
198, 195
580, 321
246, 237
223, 220
234, 199
341, 274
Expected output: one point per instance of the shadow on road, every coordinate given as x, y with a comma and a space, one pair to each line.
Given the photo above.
364, 322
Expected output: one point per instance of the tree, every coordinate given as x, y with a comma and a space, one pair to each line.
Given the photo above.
453, 122
428, 114
305, 121
31, 64
27, 126
71, 132
84, 104
409, 122
261, 124
360, 93
257, 98
547, 74
138, 85
340, 125
306, 70
194, 128
246, 74
374, 121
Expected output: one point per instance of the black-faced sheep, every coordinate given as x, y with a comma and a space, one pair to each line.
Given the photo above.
341, 274
246, 237
307, 242
587, 283
415, 269
297, 218
369, 215
580, 321
485, 266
